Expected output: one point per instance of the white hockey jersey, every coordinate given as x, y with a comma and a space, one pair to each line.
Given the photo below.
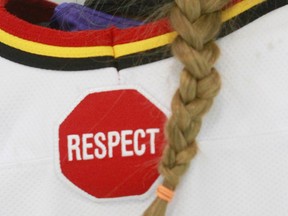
82, 115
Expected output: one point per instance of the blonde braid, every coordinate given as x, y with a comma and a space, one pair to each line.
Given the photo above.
197, 22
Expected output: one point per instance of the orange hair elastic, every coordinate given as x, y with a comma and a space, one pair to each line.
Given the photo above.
164, 193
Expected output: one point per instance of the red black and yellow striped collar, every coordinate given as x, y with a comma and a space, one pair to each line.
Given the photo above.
26, 43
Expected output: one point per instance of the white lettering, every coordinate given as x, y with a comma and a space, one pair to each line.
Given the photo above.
100, 145
73, 143
125, 142
86, 146
152, 132
113, 141
139, 151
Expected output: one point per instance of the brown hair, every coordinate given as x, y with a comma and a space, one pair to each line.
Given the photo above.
197, 23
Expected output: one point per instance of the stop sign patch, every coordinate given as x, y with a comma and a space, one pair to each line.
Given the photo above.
110, 143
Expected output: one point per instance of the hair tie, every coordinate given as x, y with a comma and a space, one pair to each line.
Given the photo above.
164, 193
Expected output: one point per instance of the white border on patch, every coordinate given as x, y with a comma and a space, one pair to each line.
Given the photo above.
56, 155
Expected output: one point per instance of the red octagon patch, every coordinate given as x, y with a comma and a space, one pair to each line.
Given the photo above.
110, 144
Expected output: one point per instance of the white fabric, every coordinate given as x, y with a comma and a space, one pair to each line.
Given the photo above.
241, 167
